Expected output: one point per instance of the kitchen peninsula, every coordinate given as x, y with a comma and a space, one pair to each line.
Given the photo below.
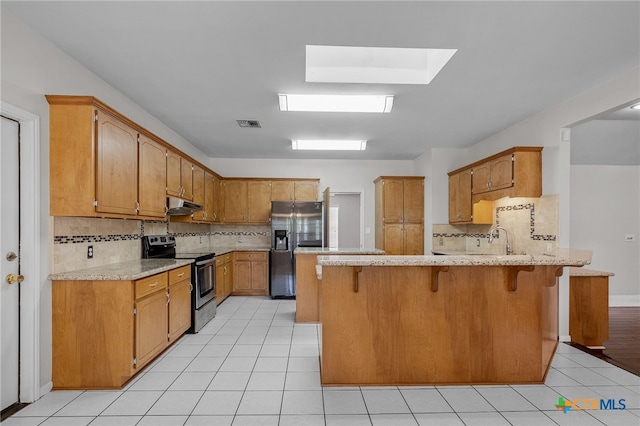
424, 320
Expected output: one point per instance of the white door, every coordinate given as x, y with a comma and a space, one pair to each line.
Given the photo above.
9, 252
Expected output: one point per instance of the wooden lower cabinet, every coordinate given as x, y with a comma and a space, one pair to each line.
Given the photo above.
589, 307
224, 277
251, 273
403, 239
105, 332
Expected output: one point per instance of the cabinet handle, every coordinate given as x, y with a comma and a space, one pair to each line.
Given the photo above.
190, 287
168, 299
153, 284
181, 274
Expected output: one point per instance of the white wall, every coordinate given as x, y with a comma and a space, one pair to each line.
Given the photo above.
31, 68
605, 206
339, 175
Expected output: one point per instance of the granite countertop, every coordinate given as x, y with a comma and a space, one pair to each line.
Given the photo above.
123, 271
560, 257
340, 251
581, 272
224, 250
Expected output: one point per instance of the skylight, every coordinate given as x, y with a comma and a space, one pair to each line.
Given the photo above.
383, 65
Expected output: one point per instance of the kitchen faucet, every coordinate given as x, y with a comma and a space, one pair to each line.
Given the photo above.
497, 229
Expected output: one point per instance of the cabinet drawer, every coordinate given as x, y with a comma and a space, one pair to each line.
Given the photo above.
150, 284
222, 259
253, 256
179, 274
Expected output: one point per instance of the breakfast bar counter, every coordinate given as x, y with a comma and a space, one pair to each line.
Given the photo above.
425, 320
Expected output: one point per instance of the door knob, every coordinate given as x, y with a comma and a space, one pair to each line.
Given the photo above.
14, 278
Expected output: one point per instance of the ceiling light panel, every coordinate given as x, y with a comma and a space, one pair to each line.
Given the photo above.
329, 144
336, 103
383, 65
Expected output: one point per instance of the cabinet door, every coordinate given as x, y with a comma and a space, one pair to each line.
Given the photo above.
152, 177
413, 238
209, 190
179, 309
151, 327
235, 201
174, 185
392, 200
413, 200
220, 284
218, 200
259, 201
282, 190
304, 190
228, 278
481, 177
393, 238
460, 197
241, 276
501, 173
259, 276
186, 179
117, 166
199, 192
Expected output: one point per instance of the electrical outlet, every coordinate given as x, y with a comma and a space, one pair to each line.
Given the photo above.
630, 237
239, 238
440, 242
90, 252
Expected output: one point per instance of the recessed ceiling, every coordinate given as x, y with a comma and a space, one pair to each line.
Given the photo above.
200, 66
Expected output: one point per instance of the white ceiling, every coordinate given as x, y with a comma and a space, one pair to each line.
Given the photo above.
199, 66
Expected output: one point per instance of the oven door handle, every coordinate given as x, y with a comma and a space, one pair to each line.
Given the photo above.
206, 262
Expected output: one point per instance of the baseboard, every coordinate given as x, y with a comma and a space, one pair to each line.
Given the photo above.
624, 300
566, 338
45, 389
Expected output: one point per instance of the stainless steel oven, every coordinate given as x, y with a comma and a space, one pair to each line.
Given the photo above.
203, 276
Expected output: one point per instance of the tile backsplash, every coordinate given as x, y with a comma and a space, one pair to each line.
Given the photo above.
117, 240
532, 224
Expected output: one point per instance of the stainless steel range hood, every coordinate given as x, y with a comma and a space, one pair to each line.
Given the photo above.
179, 207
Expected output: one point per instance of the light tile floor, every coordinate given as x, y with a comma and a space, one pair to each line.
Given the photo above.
252, 365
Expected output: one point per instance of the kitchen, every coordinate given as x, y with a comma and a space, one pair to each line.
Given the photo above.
49, 73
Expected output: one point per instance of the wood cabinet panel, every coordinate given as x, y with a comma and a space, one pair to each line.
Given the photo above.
152, 177
589, 310
218, 200
150, 284
282, 190
399, 202
235, 201
151, 327
179, 309
460, 197
186, 178
493, 175
174, 181
250, 273
305, 190
224, 277
199, 193
117, 166
259, 201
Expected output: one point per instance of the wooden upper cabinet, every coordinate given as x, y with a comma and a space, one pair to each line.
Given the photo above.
174, 184
199, 192
152, 175
305, 190
460, 197
209, 191
259, 201
179, 176
186, 177
392, 200
117, 165
282, 190
218, 200
413, 200
493, 175
235, 201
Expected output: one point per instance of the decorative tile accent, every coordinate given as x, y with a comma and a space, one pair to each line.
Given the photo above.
77, 239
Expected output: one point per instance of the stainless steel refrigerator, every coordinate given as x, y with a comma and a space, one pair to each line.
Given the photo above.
293, 224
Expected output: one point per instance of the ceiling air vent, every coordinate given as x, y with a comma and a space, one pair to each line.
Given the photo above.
249, 123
